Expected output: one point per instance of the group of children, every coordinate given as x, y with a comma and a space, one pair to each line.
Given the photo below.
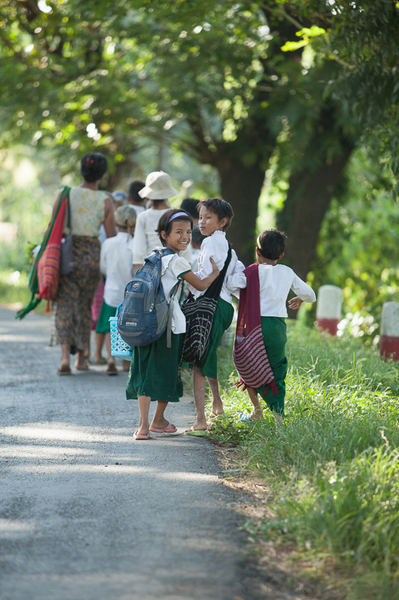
154, 372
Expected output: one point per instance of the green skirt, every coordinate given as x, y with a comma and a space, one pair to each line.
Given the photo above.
274, 331
106, 312
154, 371
222, 321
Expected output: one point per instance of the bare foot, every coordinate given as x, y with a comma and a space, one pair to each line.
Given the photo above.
199, 426
256, 415
81, 365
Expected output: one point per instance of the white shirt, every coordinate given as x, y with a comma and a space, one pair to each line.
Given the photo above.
173, 267
116, 263
275, 282
216, 246
145, 237
137, 208
195, 252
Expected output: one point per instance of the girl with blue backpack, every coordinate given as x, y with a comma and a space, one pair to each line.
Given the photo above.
154, 371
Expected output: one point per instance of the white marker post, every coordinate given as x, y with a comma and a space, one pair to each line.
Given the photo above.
389, 340
329, 306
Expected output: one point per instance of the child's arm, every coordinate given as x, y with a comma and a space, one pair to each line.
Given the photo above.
295, 303
103, 260
201, 284
302, 289
139, 243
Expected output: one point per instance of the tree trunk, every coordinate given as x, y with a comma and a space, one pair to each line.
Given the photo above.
241, 186
308, 199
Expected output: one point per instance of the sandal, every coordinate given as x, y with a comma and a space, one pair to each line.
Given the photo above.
141, 436
111, 369
64, 370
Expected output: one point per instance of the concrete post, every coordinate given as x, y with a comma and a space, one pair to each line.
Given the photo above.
328, 309
389, 340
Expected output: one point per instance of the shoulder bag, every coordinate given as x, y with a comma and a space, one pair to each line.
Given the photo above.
66, 258
249, 352
199, 315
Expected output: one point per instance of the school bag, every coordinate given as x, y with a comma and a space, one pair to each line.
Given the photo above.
199, 315
249, 352
144, 312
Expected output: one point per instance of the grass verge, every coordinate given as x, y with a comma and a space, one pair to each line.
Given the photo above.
331, 470
14, 291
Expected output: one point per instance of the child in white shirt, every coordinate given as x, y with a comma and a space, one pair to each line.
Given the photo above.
116, 263
275, 282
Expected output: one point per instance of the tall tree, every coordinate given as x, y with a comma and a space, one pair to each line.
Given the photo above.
236, 85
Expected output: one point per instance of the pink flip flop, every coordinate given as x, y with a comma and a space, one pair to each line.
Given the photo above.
168, 429
141, 436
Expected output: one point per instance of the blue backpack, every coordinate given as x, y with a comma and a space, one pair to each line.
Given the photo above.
144, 312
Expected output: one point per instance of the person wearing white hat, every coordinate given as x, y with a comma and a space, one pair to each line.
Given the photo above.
158, 188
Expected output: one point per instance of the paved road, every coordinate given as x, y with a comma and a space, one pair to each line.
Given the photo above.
86, 512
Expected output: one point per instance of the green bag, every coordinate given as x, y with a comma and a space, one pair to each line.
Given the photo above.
33, 282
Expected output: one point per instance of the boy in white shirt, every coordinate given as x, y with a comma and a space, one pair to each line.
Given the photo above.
275, 283
134, 198
116, 263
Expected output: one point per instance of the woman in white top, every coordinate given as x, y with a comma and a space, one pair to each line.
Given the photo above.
89, 208
158, 189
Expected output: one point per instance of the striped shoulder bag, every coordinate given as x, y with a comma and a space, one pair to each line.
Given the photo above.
249, 352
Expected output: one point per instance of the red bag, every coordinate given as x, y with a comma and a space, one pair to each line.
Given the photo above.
48, 270
249, 352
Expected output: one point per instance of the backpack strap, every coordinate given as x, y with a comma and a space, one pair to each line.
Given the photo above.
176, 291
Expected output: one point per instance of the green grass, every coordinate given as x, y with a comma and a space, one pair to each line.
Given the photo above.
333, 465
14, 291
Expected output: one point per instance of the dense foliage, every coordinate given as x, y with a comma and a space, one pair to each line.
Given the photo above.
331, 470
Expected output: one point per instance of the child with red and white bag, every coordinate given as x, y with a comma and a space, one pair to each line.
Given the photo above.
275, 283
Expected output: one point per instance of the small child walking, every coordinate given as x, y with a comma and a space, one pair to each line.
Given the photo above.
154, 370
275, 283
215, 216
116, 263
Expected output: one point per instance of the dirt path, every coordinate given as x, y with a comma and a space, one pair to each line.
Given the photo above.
86, 512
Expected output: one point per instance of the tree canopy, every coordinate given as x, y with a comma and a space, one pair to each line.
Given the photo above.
243, 87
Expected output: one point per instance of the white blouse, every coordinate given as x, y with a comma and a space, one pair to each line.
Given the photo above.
216, 246
173, 267
275, 282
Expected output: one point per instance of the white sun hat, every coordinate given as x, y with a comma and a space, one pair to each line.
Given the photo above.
158, 186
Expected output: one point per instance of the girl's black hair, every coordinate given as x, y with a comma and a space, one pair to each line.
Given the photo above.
164, 223
93, 166
220, 207
272, 243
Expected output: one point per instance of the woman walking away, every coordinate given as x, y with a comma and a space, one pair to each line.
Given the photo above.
89, 208
154, 370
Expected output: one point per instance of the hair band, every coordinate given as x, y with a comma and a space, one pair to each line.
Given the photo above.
258, 243
177, 215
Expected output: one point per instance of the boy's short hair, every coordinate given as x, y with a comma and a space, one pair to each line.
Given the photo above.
221, 208
190, 206
134, 188
196, 236
165, 222
271, 243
